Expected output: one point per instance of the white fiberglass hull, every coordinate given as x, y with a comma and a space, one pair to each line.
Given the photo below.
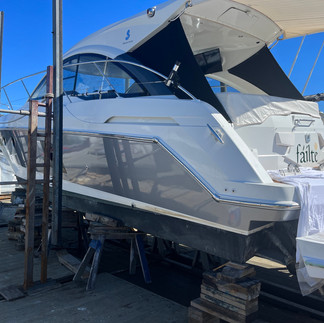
160, 168
171, 159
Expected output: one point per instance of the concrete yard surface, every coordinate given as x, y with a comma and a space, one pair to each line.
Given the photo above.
12, 264
113, 300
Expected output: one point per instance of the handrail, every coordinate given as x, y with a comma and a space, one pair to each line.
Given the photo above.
24, 86
23, 78
303, 122
85, 63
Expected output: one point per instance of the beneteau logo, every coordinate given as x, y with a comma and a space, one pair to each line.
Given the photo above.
128, 37
305, 154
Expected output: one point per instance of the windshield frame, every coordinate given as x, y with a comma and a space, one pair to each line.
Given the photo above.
96, 62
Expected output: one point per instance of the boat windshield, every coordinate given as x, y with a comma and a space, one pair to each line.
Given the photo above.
100, 79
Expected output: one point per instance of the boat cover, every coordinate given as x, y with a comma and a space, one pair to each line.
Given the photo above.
310, 186
294, 17
249, 109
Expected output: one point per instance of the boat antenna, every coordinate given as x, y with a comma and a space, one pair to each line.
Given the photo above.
173, 79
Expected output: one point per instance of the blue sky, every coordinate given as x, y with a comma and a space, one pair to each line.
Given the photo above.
27, 44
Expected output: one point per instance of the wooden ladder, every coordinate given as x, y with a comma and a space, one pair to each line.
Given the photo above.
32, 165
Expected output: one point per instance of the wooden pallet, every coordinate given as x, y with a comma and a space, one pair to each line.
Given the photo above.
229, 293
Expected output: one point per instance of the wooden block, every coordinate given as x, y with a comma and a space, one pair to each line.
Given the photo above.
11, 293
233, 274
237, 266
195, 315
96, 227
229, 306
5, 197
110, 232
19, 217
115, 236
221, 312
3, 224
246, 289
227, 298
71, 262
101, 219
15, 235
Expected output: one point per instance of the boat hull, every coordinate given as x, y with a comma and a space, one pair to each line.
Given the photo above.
143, 184
141, 172
221, 243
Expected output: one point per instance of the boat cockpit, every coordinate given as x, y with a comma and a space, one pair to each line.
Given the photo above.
93, 77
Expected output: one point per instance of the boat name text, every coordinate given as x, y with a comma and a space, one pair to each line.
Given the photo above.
305, 154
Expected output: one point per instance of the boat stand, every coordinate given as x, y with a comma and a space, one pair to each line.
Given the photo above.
99, 233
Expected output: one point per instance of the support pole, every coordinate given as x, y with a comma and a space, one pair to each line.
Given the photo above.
47, 156
294, 62
58, 122
1, 41
311, 72
30, 195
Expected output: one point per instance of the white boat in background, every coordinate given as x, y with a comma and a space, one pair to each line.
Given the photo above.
6, 175
186, 164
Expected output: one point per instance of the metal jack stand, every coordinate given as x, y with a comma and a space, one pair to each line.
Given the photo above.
99, 233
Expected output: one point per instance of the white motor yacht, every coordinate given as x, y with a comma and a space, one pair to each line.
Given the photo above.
148, 142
